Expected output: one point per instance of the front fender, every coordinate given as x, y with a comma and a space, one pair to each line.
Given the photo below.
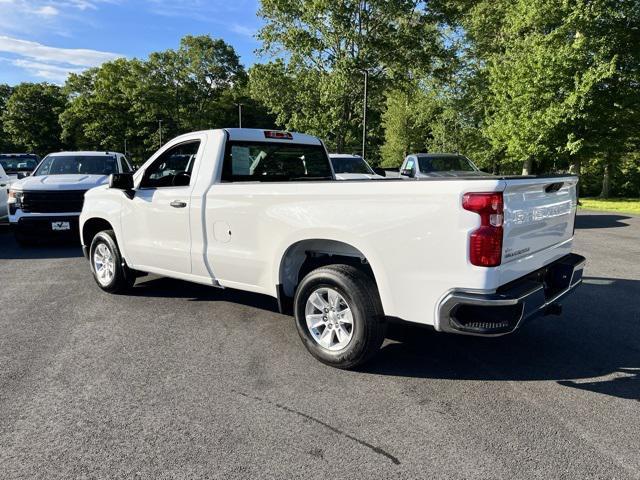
105, 204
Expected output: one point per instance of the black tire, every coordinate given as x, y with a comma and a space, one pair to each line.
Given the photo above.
122, 278
361, 295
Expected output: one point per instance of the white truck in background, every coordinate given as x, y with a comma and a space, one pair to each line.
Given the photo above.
48, 202
261, 211
352, 167
433, 165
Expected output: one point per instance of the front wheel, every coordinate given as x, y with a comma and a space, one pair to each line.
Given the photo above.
109, 270
339, 316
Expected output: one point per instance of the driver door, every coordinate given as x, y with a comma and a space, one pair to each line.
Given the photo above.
155, 222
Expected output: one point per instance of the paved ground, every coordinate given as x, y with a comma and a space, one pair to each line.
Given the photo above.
181, 381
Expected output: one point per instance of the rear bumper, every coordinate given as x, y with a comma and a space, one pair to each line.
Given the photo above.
504, 311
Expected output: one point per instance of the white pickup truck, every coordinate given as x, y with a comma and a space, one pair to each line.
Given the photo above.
261, 211
48, 202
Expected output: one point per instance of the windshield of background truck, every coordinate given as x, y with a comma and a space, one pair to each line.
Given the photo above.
350, 165
18, 164
445, 163
77, 164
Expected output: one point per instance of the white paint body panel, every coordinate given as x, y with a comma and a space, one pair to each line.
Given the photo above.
5, 181
414, 234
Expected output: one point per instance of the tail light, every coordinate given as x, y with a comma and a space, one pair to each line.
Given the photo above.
485, 243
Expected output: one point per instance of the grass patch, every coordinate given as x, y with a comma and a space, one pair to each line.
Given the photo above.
623, 205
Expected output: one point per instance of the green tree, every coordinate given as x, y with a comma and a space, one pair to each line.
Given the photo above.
31, 116
5, 93
197, 86
561, 78
322, 50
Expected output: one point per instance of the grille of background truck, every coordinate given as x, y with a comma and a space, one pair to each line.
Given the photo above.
53, 201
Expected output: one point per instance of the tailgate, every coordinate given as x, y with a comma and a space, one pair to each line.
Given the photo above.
539, 214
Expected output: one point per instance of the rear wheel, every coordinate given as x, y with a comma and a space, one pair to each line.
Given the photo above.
109, 270
339, 315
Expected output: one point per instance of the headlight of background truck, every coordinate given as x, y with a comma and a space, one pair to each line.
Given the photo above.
15, 199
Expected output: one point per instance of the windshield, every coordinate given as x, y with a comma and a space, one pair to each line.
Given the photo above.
350, 165
271, 161
19, 164
78, 164
446, 163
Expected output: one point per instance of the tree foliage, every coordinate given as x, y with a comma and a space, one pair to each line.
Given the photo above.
541, 85
196, 87
322, 50
30, 117
533, 85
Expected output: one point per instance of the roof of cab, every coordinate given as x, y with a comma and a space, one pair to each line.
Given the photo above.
83, 153
344, 155
436, 155
258, 135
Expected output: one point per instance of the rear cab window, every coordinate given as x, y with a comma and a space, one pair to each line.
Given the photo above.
247, 161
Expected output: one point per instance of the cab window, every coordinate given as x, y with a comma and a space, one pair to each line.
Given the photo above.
275, 162
173, 168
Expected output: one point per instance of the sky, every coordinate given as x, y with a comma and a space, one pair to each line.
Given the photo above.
44, 40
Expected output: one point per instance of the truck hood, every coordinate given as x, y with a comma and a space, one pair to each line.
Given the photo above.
60, 182
358, 176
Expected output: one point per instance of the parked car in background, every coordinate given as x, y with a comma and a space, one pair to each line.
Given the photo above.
261, 211
5, 181
49, 201
19, 165
429, 165
352, 167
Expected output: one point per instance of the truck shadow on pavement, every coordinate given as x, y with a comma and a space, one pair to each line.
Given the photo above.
594, 220
593, 346
164, 287
10, 250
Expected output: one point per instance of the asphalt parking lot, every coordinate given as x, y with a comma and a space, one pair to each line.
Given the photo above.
181, 381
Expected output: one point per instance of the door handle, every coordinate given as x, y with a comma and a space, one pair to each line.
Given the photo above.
178, 204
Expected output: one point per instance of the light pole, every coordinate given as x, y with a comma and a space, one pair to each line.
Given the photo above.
160, 130
364, 114
239, 115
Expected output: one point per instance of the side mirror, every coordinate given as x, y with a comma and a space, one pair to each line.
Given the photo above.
181, 179
121, 181
408, 172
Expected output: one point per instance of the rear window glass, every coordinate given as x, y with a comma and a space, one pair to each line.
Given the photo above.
350, 165
453, 163
15, 164
264, 162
